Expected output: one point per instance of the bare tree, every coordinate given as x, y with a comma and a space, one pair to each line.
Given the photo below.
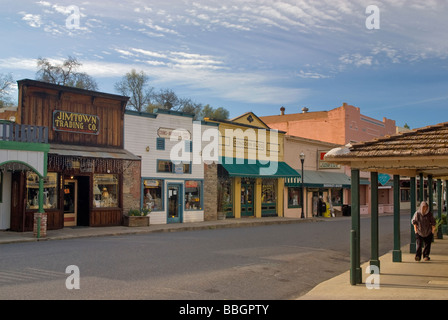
6, 82
65, 74
135, 85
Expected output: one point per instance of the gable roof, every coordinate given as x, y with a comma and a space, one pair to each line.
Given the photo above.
251, 119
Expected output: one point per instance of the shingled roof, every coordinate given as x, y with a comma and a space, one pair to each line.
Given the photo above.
427, 141
420, 150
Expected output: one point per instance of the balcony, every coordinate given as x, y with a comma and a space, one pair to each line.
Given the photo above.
10, 131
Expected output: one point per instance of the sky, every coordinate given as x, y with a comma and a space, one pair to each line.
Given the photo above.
389, 58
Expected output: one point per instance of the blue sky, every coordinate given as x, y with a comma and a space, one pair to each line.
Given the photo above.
249, 55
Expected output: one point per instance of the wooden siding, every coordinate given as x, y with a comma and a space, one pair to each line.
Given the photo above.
38, 102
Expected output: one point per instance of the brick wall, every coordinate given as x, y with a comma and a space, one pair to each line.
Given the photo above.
131, 185
210, 191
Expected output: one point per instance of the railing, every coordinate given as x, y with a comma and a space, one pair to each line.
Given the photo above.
10, 131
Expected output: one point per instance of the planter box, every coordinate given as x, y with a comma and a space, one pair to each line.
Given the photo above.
136, 221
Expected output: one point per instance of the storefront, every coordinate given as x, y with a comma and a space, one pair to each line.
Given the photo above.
173, 189
90, 177
325, 188
251, 170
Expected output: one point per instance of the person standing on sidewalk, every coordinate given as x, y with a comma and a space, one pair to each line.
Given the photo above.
424, 227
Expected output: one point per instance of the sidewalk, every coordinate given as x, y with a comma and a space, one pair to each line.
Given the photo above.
406, 280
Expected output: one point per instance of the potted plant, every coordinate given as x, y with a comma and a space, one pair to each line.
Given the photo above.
137, 218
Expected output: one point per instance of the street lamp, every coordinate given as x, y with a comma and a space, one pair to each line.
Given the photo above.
302, 160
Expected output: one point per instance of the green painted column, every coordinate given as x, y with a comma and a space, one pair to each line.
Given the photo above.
430, 194
412, 245
439, 207
355, 250
422, 187
396, 253
374, 249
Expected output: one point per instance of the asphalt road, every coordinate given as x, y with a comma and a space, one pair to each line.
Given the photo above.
266, 262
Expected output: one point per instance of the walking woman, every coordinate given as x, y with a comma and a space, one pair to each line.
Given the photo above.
424, 227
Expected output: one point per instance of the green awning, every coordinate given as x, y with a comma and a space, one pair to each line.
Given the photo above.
321, 179
257, 169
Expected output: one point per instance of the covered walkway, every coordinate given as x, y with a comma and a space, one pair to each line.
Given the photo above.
418, 154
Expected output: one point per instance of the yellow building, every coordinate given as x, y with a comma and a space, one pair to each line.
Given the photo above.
251, 169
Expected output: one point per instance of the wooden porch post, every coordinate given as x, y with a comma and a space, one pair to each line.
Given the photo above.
396, 254
355, 250
374, 254
430, 194
412, 246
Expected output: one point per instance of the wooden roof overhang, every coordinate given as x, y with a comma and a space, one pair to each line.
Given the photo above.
423, 150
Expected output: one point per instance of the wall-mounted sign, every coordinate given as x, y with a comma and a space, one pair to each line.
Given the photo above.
326, 165
181, 134
75, 122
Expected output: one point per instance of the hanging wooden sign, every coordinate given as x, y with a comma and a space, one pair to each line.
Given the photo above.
75, 122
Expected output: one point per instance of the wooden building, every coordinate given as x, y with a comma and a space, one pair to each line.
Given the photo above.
91, 179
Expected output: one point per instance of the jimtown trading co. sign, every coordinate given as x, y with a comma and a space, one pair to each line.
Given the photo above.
75, 122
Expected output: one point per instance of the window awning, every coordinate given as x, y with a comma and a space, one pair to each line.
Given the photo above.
321, 179
257, 169
91, 152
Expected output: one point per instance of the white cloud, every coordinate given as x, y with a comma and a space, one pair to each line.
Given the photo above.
356, 59
311, 75
33, 20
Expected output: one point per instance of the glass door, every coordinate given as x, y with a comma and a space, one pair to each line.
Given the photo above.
174, 203
70, 202
247, 198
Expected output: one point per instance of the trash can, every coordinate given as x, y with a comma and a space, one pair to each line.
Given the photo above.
346, 210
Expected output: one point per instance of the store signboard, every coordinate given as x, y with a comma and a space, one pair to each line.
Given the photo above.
75, 122
323, 164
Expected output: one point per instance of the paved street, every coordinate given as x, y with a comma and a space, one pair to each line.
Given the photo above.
263, 262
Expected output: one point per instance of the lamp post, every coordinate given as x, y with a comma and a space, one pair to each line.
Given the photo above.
302, 160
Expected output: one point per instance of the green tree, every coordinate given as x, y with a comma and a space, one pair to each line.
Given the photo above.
217, 114
64, 74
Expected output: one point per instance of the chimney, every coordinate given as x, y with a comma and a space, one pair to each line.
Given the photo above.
305, 110
282, 111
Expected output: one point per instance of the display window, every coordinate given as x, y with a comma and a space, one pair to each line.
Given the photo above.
268, 191
50, 191
294, 197
192, 195
152, 194
105, 190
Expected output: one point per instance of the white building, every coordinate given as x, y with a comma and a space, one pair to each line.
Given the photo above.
174, 191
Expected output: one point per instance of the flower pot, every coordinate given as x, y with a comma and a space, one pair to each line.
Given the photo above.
136, 221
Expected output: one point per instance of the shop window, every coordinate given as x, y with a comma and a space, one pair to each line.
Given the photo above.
50, 191
336, 197
295, 197
192, 195
105, 190
268, 191
152, 195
